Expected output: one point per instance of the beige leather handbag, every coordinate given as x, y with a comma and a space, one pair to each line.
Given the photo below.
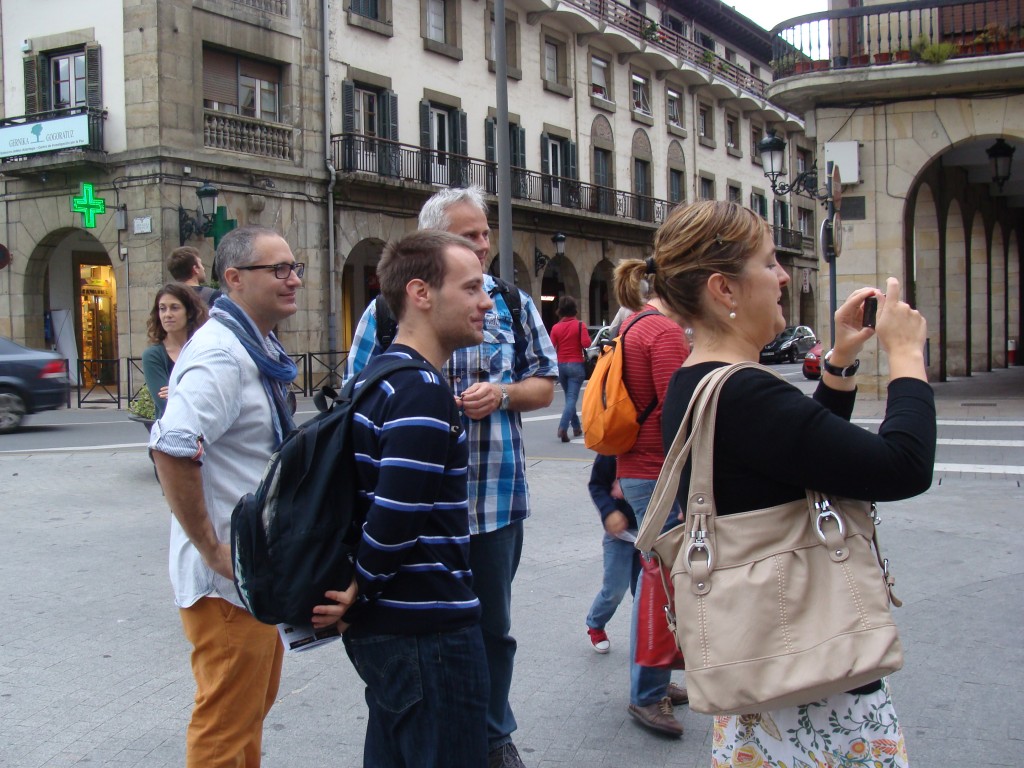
774, 607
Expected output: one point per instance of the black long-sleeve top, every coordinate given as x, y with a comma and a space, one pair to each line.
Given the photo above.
602, 476
772, 442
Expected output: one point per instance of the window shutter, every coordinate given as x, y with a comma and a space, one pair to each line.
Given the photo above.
35, 85
425, 175
462, 144
220, 77
545, 156
348, 106
93, 77
491, 153
571, 169
520, 146
261, 70
390, 100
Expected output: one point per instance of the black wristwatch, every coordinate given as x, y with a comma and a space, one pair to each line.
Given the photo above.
843, 373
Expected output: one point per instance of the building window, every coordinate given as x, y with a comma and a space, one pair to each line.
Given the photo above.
517, 156
707, 188
805, 221
364, 113
644, 210
436, 21
63, 79
704, 126
803, 160
735, 194
599, 80
706, 41
641, 94
369, 113
674, 107
755, 70
730, 55
676, 186
368, 8
759, 204
558, 164
241, 86
732, 132
511, 44
604, 196
673, 22
440, 27
554, 65
756, 134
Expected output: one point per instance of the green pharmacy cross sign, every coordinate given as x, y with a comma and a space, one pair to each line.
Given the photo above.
87, 204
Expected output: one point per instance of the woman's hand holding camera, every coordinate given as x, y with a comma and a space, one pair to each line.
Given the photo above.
901, 332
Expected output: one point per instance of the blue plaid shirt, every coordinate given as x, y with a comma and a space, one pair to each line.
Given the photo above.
498, 493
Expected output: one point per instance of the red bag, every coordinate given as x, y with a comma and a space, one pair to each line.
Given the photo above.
655, 636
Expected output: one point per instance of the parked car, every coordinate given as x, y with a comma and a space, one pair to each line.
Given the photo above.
31, 380
792, 344
812, 362
599, 334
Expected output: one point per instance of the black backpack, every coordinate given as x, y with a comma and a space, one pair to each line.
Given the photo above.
296, 536
387, 325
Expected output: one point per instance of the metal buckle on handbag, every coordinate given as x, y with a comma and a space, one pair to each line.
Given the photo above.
834, 541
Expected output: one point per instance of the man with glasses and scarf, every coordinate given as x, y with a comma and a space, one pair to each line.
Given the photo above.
226, 413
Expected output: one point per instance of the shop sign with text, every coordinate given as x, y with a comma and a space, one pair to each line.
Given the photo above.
44, 136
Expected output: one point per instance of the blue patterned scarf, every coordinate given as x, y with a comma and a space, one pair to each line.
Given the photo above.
276, 375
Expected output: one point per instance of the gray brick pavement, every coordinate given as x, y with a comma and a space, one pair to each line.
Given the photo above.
94, 668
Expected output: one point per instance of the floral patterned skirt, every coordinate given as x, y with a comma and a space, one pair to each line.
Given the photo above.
842, 731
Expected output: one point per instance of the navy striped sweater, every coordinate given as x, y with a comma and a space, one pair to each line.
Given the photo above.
412, 564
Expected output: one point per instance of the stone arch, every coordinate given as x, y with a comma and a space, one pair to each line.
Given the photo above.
521, 275
603, 305
359, 281
953, 346
559, 278
978, 286
924, 269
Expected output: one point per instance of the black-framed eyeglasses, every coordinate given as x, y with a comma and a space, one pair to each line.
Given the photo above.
282, 271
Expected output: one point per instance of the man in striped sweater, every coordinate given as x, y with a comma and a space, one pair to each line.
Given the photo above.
411, 621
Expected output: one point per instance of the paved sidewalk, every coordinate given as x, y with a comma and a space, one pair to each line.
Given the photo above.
94, 668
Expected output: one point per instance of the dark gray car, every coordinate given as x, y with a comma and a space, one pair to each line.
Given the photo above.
31, 380
792, 344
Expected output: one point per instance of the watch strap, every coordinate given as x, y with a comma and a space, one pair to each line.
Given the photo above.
843, 373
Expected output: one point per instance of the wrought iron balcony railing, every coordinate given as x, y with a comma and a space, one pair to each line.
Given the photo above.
929, 31
94, 117
246, 134
357, 153
623, 17
789, 240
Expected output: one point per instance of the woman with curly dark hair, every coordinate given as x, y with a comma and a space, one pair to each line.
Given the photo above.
177, 313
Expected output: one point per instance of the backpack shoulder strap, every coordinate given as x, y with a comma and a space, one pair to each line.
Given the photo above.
514, 302
642, 416
387, 325
382, 372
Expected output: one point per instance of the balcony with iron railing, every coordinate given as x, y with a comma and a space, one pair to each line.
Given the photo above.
942, 44
56, 137
277, 7
222, 130
611, 13
354, 153
789, 240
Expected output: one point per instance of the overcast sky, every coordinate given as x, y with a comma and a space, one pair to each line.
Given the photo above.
768, 13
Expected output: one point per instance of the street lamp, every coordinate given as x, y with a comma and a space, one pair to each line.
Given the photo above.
773, 156
202, 222
773, 153
1000, 155
541, 260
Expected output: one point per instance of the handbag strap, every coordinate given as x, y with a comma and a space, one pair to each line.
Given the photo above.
705, 397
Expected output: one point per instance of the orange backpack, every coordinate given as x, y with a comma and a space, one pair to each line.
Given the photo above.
610, 419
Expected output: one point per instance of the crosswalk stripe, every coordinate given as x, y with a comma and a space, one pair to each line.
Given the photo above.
982, 443
959, 422
981, 469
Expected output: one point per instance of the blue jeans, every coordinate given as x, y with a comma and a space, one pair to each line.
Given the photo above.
621, 568
494, 558
647, 685
426, 695
570, 377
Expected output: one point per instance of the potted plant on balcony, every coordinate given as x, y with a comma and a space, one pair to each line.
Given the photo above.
784, 65
982, 41
936, 53
819, 65
860, 59
650, 32
708, 57
883, 57
802, 65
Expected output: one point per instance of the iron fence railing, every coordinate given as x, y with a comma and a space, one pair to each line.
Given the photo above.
788, 239
624, 17
929, 31
353, 152
99, 381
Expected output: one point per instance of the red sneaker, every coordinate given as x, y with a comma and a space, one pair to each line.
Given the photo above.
599, 639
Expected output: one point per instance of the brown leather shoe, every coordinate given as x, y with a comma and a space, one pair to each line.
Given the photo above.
677, 694
577, 431
563, 436
658, 717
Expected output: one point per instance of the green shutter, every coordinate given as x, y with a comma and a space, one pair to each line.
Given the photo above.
490, 154
425, 154
35, 85
348, 123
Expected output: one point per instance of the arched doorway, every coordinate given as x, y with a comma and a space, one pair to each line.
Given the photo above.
72, 280
602, 304
359, 283
560, 278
